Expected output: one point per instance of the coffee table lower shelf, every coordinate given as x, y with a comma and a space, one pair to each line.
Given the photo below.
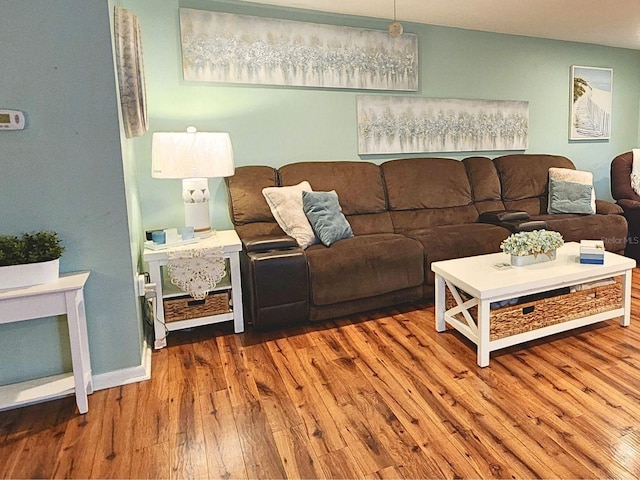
518, 338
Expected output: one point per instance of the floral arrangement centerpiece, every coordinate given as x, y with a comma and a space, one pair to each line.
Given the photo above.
532, 247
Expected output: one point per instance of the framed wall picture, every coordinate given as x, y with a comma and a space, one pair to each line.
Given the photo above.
591, 102
229, 48
404, 124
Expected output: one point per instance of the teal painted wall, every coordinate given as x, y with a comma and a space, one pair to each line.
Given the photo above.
71, 170
65, 172
277, 125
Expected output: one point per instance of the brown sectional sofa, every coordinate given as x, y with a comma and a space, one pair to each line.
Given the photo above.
404, 214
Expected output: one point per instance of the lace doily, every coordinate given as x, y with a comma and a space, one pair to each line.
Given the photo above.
197, 270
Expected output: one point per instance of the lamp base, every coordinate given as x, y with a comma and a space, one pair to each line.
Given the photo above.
206, 234
195, 193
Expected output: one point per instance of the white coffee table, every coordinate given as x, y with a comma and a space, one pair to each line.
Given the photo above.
478, 277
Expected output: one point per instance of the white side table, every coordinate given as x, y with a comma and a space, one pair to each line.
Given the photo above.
231, 247
63, 297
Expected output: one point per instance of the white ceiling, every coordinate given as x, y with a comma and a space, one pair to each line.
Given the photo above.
614, 23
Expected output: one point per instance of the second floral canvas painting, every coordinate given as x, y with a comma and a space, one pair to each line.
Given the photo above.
397, 124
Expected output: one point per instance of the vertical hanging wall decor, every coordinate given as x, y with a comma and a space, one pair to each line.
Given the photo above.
130, 72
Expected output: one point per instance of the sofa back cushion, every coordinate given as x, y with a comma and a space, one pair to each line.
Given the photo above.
621, 168
246, 201
359, 186
485, 184
426, 192
524, 180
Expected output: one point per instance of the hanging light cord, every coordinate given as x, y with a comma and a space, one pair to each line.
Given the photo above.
395, 28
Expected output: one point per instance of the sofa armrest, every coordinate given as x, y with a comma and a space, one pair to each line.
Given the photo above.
628, 204
605, 207
263, 244
497, 217
513, 220
275, 281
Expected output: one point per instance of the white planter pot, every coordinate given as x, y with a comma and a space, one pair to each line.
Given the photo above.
16, 276
522, 260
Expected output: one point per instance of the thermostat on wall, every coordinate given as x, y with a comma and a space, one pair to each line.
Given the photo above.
11, 119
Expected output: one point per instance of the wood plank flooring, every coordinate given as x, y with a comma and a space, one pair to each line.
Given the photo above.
371, 396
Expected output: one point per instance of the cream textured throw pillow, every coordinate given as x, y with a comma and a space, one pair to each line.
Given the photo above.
635, 171
286, 206
572, 176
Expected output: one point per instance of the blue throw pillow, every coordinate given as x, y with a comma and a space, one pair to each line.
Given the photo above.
325, 216
569, 197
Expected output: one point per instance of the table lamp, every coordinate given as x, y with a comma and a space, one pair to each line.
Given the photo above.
193, 156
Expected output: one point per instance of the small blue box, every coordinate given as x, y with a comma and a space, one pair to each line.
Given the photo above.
158, 236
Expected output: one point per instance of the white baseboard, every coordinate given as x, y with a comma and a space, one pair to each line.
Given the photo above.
102, 381
126, 375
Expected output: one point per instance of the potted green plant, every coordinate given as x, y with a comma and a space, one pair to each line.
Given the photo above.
536, 246
29, 259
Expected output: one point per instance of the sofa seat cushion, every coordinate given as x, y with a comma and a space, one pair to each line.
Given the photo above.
612, 229
364, 266
455, 241
405, 221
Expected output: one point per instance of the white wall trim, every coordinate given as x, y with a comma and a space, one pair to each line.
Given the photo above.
126, 375
108, 380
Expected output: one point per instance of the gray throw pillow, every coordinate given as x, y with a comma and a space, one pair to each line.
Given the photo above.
569, 197
325, 216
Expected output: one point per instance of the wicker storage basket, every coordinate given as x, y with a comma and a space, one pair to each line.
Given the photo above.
527, 316
185, 307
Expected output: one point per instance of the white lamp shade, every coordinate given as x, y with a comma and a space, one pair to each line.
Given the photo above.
191, 155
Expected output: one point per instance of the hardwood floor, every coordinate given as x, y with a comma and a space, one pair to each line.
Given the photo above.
372, 396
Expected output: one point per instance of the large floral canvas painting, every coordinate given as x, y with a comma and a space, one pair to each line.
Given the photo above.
591, 100
223, 47
404, 124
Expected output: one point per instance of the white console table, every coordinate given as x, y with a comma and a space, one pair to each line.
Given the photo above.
231, 247
63, 297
